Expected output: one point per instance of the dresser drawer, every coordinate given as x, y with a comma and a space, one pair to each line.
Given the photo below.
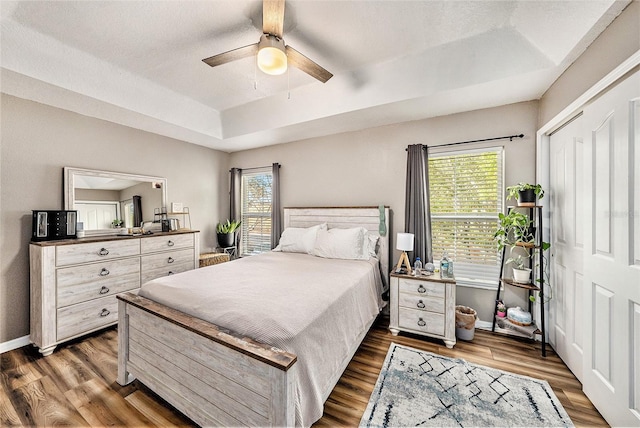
166, 259
83, 317
95, 251
162, 243
81, 283
422, 288
427, 322
167, 263
423, 303
165, 271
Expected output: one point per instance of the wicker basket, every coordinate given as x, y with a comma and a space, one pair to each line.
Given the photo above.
209, 259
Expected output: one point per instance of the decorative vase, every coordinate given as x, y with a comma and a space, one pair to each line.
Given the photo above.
502, 314
226, 240
526, 198
521, 275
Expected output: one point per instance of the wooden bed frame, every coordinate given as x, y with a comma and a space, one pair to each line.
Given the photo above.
227, 380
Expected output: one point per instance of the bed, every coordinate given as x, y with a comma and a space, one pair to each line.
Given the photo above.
263, 343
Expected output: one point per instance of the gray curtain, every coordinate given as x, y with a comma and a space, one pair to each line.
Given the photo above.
234, 193
417, 215
235, 200
137, 211
276, 217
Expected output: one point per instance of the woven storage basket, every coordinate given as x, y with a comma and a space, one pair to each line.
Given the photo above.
209, 259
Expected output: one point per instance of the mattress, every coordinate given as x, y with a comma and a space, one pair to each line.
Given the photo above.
314, 307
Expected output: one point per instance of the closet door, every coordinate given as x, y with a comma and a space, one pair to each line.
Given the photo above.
566, 324
611, 376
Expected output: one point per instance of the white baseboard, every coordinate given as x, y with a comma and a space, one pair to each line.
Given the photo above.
14, 344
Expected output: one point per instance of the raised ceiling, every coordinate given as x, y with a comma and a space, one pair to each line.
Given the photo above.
138, 63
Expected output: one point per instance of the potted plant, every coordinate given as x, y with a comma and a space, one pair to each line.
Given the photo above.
501, 309
521, 273
525, 193
515, 228
226, 233
117, 223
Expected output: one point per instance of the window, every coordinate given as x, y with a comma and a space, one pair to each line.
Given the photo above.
466, 197
255, 214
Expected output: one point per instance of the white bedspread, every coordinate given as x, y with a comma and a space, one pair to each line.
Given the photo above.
310, 306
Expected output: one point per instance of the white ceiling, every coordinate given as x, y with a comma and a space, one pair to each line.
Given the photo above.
138, 63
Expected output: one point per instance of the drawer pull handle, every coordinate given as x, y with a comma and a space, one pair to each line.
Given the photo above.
103, 252
421, 289
170, 273
420, 304
105, 312
170, 243
104, 290
104, 272
170, 260
421, 322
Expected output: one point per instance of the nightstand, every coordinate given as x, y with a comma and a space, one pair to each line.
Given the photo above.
423, 305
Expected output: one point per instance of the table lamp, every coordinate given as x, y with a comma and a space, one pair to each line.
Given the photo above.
404, 243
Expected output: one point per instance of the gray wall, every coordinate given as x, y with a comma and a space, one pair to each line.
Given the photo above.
368, 167
614, 45
38, 141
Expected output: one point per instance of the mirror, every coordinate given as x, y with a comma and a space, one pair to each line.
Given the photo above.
107, 201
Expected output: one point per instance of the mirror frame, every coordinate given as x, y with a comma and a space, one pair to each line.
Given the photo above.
69, 185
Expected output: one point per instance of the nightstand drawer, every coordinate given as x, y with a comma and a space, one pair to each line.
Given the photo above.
422, 287
412, 301
415, 319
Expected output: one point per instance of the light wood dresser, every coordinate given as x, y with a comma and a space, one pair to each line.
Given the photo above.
74, 282
423, 305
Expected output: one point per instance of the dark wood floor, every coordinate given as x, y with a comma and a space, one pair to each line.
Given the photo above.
76, 385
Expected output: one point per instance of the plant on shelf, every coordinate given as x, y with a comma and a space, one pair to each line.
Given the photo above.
525, 193
515, 228
226, 233
520, 271
517, 232
501, 309
117, 223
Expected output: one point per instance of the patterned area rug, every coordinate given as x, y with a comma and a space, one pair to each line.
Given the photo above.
418, 388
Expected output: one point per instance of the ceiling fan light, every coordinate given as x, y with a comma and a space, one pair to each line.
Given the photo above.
272, 58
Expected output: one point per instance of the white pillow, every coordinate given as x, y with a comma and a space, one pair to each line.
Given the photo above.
342, 244
370, 250
299, 239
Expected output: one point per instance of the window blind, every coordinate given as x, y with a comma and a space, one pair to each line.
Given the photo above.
255, 236
466, 197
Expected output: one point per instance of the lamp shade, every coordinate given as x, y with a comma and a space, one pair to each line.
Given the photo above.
272, 58
404, 241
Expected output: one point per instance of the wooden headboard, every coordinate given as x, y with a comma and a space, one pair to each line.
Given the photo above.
345, 217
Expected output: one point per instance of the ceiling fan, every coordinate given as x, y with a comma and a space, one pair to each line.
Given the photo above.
273, 56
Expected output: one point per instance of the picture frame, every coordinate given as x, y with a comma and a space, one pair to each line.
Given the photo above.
177, 207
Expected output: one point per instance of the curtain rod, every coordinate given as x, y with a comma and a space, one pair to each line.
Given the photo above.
255, 167
510, 137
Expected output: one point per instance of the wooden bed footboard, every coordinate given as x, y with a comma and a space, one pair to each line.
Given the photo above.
208, 373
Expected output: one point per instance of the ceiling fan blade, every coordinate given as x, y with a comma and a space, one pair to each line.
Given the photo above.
232, 55
303, 63
273, 17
